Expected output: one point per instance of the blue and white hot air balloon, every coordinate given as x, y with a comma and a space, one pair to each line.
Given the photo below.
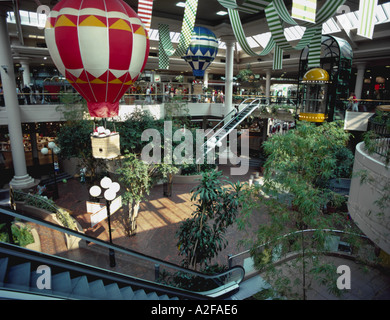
202, 50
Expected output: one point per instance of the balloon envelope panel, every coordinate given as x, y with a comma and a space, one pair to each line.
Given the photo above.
202, 50
100, 46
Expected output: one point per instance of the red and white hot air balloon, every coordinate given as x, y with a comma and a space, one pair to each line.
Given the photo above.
100, 46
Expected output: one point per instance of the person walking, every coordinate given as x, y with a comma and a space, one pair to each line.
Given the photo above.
353, 102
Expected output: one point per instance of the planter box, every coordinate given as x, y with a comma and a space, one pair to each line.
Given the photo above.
72, 242
177, 178
190, 179
36, 245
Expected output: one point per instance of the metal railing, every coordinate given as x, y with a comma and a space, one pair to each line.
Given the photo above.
143, 98
244, 258
95, 252
379, 125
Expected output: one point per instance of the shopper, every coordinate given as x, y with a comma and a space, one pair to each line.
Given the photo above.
353, 102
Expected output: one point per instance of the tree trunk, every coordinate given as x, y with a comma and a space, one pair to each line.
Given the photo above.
133, 214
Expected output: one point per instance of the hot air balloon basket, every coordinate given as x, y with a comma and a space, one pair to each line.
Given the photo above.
107, 147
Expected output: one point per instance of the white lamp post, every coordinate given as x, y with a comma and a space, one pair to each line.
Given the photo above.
112, 188
54, 150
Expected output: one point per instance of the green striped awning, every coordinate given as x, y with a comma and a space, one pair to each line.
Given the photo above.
367, 18
166, 49
304, 10
277, 14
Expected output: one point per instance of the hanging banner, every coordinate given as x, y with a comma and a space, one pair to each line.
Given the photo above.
278, 58
367, 18
241, 38
145, 8
248, 6
314, 59
277, 14
304, 10
166, 49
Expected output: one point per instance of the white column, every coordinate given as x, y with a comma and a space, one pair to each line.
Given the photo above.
361, 69
230, 44
26, 73
268, 84
206, 79
21, 179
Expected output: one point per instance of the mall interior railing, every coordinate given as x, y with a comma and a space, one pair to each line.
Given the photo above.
142, 98
379, 125
337, 242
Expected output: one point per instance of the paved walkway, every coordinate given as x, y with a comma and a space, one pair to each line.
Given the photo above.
158, 222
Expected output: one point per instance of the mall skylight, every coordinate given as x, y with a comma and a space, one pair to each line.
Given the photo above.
347, 21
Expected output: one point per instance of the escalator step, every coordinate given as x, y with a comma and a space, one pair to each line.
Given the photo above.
62, 284
18, 276
80, 287
98, 291
127, 293
33, 283
152, 296
140, 295
113, 292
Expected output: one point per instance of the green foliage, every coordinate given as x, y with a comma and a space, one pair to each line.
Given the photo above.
49, 205
72, 106
74, 139
246, 75
195, 169
177, 111
295, 192
132, 128
138, 178
21, 234
201, 237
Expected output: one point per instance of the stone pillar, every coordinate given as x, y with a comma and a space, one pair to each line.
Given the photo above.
230, 44
26, 73
206, 79
268, 84
21, 179
361, 69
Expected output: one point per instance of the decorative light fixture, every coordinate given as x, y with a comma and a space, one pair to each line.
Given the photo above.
112, 188
54, 150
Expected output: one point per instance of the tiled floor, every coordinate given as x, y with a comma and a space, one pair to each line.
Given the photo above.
158, 222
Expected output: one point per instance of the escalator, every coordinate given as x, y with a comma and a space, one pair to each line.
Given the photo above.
247, 107
36, 275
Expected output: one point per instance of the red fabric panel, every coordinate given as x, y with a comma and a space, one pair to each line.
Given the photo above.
121, 49
68, 47
103, 109
96, 4
116, 6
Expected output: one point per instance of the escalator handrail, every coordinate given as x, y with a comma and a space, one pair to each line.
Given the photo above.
233, 119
